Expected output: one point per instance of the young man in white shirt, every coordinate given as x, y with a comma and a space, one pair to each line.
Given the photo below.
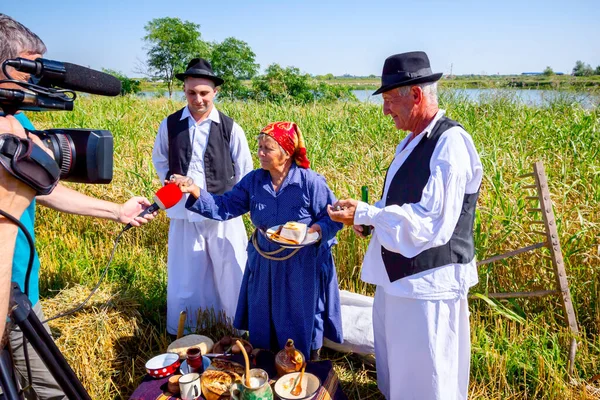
421, 255
206, 258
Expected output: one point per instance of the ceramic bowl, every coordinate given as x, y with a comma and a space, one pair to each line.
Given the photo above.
162, 365
284, 385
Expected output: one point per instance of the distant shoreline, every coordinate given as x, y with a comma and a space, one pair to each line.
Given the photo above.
562, 82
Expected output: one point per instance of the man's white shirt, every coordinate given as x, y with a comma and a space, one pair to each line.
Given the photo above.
199, 138
410, 229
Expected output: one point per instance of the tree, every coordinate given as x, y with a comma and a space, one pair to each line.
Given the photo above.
582, 69
233, 60
548, 71
172, 43
597, 71
128, 85
279, 84
289, 84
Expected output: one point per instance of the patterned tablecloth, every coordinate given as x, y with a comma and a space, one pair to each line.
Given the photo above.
156, 389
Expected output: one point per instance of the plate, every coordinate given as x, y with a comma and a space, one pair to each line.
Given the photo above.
309, 239
185, 368
310, 385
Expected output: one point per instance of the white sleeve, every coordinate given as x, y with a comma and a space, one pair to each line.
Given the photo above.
413, 228
160, 152
240, 152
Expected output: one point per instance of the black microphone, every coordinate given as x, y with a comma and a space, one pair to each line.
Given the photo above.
68, 76
28, 101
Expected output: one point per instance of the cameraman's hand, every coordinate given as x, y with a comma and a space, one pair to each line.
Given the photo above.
15, 196
38, 142
129, 211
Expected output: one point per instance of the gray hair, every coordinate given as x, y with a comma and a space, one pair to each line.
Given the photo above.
429, 91
263, 136
16, 39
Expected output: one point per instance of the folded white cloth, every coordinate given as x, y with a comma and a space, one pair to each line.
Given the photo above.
357, 324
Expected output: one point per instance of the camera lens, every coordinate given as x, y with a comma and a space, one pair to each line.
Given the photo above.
62, 148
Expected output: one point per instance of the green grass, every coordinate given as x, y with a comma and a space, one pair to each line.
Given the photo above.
352, 144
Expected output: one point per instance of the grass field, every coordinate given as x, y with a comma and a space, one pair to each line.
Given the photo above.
518, 346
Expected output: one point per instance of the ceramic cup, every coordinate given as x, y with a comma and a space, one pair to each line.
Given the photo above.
194, 359
189, 386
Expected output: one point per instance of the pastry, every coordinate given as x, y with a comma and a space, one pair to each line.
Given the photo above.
295, 232
216, 384
227, 345
220, 364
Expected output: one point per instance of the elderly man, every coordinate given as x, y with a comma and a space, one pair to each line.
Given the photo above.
18, 41
206, 258
421, 255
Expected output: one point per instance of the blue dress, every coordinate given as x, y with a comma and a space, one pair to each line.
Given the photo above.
297, 298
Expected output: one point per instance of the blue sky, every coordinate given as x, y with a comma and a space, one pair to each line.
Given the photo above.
336, 36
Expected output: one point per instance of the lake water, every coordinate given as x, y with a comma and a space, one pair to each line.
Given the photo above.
529, 97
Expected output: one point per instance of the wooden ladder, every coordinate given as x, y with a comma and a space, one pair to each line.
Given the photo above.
553, 244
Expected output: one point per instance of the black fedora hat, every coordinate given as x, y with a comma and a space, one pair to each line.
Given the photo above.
200, 68
406, 69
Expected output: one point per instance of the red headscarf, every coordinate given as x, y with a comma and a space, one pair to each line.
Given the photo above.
289, 137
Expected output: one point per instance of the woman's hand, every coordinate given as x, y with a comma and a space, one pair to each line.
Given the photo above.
185, 184
315, 228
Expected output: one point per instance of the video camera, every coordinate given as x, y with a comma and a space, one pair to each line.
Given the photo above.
83, 155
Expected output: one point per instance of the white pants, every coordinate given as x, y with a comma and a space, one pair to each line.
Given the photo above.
206, 262
422, 347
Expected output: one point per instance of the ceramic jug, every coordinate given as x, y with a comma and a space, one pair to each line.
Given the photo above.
289, 359
259, 387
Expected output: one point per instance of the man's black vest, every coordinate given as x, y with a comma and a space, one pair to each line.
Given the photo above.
219, 171
407, 187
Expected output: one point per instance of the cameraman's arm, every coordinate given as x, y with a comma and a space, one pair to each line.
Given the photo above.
71, 201
15, 197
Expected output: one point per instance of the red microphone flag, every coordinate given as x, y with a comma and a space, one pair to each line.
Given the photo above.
168, 195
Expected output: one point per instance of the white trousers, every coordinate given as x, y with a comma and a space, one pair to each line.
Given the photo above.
205, 264
422, 347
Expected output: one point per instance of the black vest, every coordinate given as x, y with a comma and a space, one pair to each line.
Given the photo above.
219, 171
407, 187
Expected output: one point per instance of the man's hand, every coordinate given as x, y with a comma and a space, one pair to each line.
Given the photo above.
358, 230
128, 212
343, 211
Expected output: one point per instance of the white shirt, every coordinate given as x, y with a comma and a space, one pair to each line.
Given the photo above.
199, 131
413, 228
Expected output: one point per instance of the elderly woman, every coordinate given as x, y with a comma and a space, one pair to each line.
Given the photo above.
285, 293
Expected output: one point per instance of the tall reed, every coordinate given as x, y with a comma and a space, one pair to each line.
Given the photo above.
352, 144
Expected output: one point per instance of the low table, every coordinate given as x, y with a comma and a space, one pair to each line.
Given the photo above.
156, 389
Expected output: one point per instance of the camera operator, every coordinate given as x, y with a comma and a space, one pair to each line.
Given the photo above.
15, 197
18, 41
